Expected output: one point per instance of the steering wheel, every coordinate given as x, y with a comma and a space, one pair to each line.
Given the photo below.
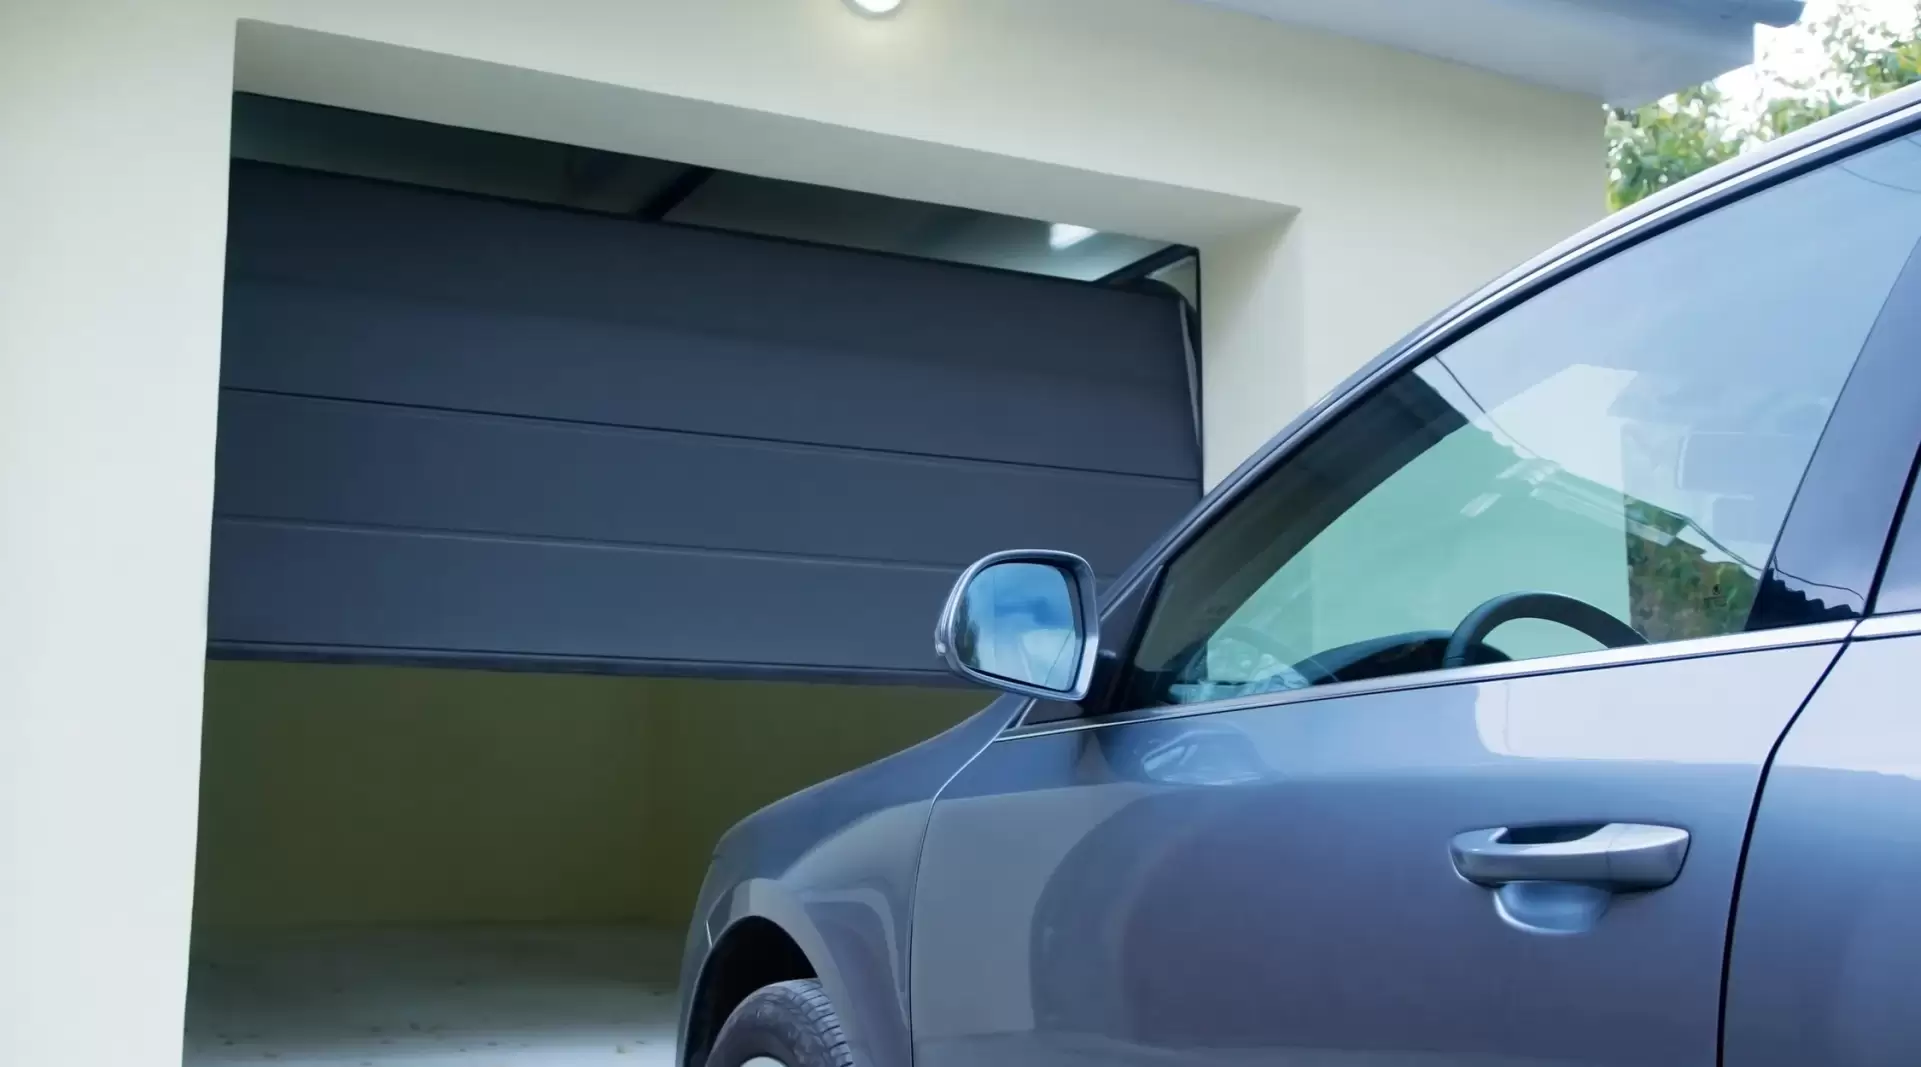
1552, 607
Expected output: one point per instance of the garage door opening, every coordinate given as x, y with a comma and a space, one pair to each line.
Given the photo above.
418, 866
569, 508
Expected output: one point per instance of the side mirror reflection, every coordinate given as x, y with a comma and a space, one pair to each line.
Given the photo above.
1023, 622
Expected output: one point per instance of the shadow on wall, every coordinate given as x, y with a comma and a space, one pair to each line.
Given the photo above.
346, 794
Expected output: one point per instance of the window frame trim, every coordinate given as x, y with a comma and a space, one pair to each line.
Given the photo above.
1823, 633
1894, 624
1792, 158
1906, 532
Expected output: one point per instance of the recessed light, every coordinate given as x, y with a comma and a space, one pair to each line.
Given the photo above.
874, 9
1062, 236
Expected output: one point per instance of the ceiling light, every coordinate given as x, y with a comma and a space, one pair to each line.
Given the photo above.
1062, 236
874, 9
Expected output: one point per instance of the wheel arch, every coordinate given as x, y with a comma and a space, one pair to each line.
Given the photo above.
754, 951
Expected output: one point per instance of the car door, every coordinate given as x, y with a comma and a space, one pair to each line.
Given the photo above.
1435, 739
1827, 935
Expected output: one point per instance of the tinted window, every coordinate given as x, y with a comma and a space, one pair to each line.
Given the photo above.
1628, 441
1901, 585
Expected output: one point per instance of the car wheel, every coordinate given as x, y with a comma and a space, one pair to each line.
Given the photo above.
789, 1024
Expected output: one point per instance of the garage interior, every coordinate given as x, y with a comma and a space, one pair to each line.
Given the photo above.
571, 506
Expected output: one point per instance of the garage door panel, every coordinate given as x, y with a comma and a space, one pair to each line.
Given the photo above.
462, 429
343, 462
342, 343
500, 598
381, 237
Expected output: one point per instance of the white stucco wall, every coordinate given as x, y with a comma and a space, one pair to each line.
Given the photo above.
1339, 192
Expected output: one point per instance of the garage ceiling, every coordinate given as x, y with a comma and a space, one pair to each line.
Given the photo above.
270, 130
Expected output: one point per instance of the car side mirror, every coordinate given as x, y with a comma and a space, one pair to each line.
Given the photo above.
1024, 622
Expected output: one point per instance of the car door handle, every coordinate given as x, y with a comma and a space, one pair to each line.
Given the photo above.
1619, 856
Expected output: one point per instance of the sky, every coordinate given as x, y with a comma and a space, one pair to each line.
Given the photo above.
1794, 52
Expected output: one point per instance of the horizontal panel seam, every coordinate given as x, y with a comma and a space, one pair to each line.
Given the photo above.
744, 439
230, 645
660, 547
449, 302
506, 537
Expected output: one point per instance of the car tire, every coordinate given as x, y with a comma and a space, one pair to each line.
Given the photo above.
791, 1023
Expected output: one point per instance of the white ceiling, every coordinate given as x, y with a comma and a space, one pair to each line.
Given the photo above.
1621, 51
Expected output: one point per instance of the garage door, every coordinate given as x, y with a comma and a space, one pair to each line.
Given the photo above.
454, 428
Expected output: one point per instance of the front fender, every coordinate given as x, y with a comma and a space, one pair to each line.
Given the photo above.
834, 868
768, 900
853, 971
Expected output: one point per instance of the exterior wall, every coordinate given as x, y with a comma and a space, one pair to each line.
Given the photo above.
335, 794
1340, 192
109, 343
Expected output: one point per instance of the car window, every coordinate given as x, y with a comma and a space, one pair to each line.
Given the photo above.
1626, 442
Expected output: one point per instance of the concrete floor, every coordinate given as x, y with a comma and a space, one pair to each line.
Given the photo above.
506, 996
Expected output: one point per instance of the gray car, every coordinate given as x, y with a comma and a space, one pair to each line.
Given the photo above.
1537, 697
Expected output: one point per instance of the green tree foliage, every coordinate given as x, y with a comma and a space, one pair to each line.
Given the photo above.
1656, 145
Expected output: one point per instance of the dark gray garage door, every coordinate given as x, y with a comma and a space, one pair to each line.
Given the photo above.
488, 432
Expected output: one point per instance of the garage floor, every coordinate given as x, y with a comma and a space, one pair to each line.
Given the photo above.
489, 996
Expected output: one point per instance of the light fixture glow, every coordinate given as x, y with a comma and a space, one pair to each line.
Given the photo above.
1062, 236
874, 9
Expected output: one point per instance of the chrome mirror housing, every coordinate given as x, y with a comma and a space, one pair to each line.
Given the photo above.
1023, 622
